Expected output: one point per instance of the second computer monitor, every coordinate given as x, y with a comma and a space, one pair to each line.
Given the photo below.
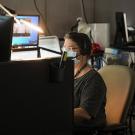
121, 37
24, 36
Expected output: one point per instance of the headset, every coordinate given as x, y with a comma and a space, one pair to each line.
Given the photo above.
86, 47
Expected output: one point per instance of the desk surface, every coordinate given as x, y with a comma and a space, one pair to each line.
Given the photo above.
28, 55
127, 48
49, 42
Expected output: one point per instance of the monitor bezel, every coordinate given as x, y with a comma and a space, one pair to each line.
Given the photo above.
121, 35
25, 46
6, 37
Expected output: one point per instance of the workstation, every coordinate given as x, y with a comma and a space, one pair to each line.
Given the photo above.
39, 73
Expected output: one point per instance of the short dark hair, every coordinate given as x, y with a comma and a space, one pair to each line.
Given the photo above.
82, 40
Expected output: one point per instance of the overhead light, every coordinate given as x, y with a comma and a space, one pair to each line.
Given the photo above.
32, 26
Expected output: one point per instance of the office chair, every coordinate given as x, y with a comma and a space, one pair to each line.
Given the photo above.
119, 81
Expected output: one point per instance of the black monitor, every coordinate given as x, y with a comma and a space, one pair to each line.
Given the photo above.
33, 100
6, 31
121, 36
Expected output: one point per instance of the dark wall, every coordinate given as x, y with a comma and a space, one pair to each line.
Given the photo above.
23, 6
60, 15
105, 11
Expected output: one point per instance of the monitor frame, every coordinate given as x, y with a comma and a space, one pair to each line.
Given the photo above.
6, 32
29, 98
28, 46
121, 36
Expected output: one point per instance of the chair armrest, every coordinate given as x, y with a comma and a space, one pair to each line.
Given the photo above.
113, 127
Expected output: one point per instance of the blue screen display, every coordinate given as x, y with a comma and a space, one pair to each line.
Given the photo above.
24, 35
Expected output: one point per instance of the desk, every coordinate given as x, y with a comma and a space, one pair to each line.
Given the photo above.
47, 48
32, 54
127, 48
24, 55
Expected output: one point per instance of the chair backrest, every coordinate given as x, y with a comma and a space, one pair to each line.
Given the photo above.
119, 81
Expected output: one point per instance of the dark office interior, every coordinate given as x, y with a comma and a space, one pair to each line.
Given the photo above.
37, 81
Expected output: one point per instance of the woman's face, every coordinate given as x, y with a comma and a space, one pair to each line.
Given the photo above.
72, 46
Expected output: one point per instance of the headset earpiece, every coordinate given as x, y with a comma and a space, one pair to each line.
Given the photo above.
86, 47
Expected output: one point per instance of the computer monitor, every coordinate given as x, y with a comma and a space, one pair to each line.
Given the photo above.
31, 102
24, 36
6, 31
50, 46
121, 37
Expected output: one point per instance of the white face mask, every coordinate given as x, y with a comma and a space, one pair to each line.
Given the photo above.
70, 53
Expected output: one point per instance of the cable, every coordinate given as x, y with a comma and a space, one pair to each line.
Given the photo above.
91, 37
83, 10
94, 11
131, 57
2, 12
42, 17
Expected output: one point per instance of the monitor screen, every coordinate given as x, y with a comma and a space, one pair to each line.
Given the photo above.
50, 46
121, 37
6, 31
24, 36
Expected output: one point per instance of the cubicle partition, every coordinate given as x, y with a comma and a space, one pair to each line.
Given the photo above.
33, 101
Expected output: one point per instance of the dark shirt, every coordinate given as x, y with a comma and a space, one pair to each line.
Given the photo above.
90, 94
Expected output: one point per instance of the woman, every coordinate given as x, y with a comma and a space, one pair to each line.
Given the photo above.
89, 87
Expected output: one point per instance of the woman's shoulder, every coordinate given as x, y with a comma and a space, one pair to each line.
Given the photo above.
93, 75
